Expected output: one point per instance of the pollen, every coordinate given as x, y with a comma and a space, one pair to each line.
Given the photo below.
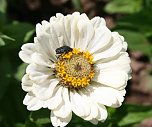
75, 68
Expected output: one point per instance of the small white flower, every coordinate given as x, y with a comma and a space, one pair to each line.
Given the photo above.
90, 72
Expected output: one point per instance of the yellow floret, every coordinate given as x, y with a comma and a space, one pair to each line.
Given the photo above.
69, 80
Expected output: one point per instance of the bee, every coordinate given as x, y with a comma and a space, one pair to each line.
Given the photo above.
63, 49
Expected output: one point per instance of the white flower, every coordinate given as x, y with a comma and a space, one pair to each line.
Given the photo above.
90, 72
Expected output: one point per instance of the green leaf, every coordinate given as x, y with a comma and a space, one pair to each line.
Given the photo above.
20, 71
18, 31
28, 35
148, 5
128, 115
41, 117
3, 39
136, 41
3, 5
124, 6
5, 74
137, 117
19, 125
77, 4
31, 124
21, 32
134, 22
43, 121
6, 37
2, 42
3, 19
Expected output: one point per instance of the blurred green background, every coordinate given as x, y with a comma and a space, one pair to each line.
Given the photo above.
131, 18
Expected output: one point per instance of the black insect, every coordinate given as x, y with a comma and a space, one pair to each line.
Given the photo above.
63, 49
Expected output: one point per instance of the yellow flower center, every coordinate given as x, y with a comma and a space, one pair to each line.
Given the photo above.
75, 69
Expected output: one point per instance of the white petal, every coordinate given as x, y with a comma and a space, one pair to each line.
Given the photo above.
76, 14
86, 33
56, 100
68, 30
125, 46
27, 83
38, 28
121, 63
94, 112
59, 16
39, 74
102, 38
103, 114
111, 51
46, 46
61, 122
45, 91
41, 59
26, 52
79, 104
94, 109
65, 109
56, 34
59, 29
72, 29
108, 96
115, 79
42, 28
32, 102
54, 120
85, 99
66, 26
98, 112
46, 26
74, 33
98, 22
94, 121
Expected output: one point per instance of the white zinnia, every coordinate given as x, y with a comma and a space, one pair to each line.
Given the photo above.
100, 60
